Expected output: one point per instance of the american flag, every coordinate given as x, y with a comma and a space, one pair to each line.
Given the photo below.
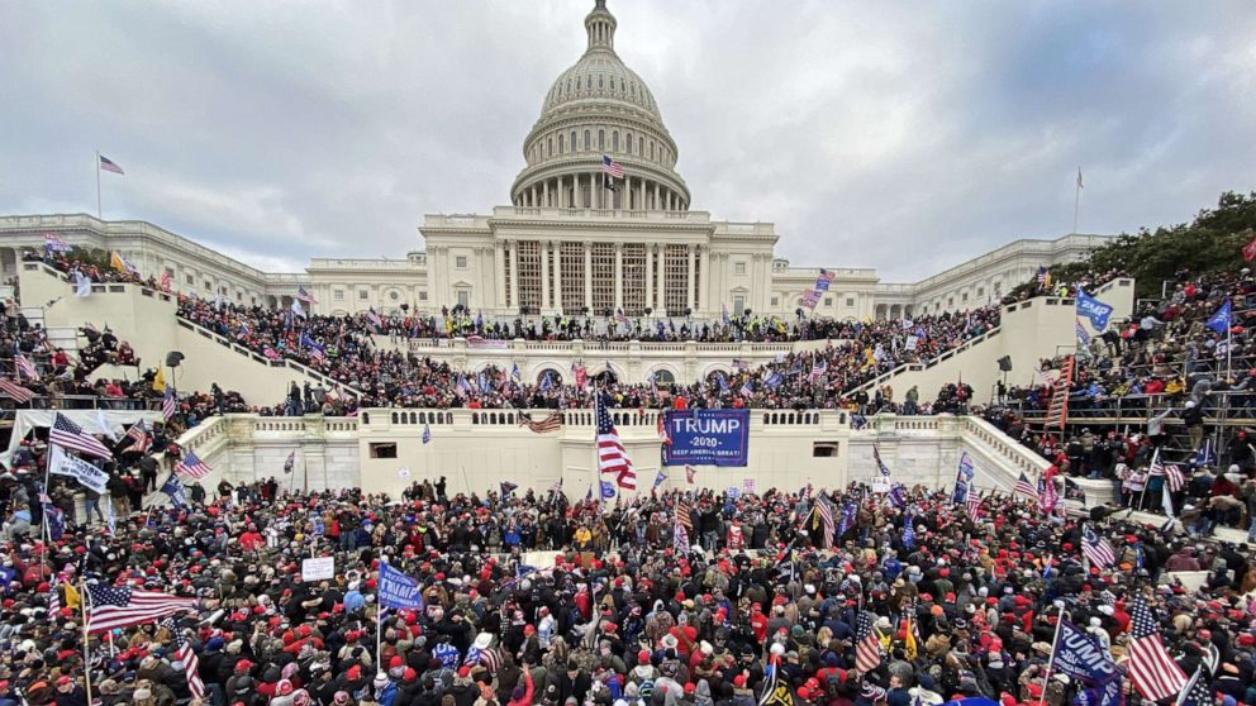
612, 168
1153, 670
167, 404
611, 455
192, 466
55, 243
25, 368
1172, 473
68, 435
818, 369
867, 646
825, 510
305, 297
20, 394
138, 431
187, 657
1024, 486
110, 607
54, 597
683, 517
109, 165
552, 422
1044, 277
141, 445
680, 538
1097, 549
973, 504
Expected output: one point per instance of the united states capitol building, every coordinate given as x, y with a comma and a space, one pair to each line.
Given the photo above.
567, 243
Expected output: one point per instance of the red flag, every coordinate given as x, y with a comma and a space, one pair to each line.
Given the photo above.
1249, 251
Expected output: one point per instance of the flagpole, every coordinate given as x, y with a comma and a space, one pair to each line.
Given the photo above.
98, 216
1059, 623
87, 653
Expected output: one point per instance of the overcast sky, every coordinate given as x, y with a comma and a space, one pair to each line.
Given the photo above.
907, 136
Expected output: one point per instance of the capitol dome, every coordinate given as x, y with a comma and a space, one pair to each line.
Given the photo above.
600, 108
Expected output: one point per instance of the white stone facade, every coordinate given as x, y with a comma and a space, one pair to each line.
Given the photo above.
569, 243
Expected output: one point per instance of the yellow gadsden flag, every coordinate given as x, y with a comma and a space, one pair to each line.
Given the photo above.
159, 381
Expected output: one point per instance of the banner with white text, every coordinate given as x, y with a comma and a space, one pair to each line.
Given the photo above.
707, 437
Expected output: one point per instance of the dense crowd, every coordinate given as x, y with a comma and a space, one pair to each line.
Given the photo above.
675, 599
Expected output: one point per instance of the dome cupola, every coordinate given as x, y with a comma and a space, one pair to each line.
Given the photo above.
598, 109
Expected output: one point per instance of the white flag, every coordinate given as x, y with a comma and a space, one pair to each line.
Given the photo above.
82, 285
62, 464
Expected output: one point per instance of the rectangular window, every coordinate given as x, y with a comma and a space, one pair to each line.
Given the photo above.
824, 449
739, 305
676, 279
530, 275
422, 296
338, 295
363, 294
634, 279
383, 449
850, 301
460, 262
776, 301
828, 301
739, 268
190, 279
464, 298
981, 291
603, 277
572, 256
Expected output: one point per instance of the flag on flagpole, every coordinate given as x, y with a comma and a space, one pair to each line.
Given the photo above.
54, 243
552, 422
1024, 486
290, 463
613, 169
427, 434
867, 646
25, 368
109, 165
1097, 549
168, 406
16, 392
184, 655
825, 510
192, 466
110, 607
1155, 673
612, 456
70, 436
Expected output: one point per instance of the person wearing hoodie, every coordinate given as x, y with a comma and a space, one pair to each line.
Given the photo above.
522, 695
385, 690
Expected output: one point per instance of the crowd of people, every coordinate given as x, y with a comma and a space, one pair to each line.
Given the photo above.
676, 599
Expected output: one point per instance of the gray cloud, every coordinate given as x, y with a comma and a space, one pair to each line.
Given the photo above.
906, 136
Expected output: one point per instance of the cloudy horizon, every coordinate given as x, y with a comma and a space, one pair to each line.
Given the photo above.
908, 137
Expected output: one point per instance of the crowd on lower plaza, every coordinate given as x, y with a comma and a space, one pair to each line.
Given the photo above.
802, 596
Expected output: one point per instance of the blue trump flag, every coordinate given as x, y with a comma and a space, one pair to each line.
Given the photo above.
1082, 658
397, 590
1220, 321
1093, 309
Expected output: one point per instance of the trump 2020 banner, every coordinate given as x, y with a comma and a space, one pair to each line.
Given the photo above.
707, 437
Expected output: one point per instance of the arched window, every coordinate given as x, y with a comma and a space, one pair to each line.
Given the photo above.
560, 143
549, 147
640, 146
600, 84
573, 140
615, 141
651, 150
601, 139
628, 142
586, 139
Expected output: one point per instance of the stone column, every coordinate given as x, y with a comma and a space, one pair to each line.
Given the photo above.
514, 275
545, 193
558, 276
704, 278
588, 275
649, 272
658, 203
641, 196
660, 291
499, 276
689, 284
545, 299
619, 276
